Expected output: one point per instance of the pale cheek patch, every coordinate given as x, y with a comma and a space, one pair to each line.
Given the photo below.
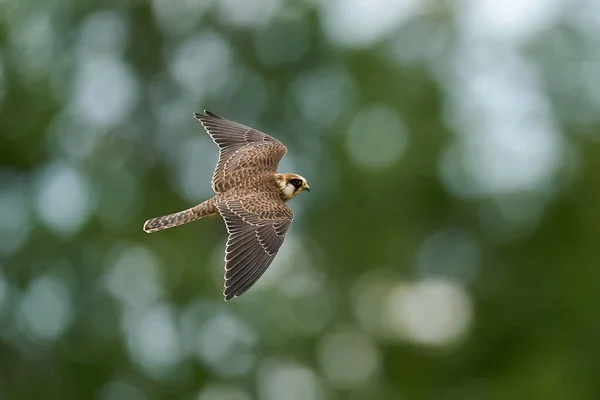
288, 191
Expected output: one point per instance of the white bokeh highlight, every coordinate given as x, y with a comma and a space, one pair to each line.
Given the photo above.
195, 161
369, 297
75, 138
288, 380
507, 139
324, 94
430, 312
361, 23
45, 310
225, 343
349, 359
153, 339
103, 33
507, 20
202, 64
105, 91
133, 277
64, 198
247, 14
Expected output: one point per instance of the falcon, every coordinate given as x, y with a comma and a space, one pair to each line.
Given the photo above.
250, 196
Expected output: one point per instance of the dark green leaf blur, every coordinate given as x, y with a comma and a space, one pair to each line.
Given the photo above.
448, 248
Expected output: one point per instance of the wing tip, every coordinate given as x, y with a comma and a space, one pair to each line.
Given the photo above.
228, 296
205, 114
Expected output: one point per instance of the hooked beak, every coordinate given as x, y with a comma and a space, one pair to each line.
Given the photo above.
307, 188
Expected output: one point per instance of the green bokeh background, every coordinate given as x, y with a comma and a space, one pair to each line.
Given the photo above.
448, 248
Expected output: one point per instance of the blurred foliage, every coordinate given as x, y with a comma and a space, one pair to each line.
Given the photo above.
447, 249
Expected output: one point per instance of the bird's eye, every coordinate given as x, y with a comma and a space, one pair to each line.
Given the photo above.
296, 182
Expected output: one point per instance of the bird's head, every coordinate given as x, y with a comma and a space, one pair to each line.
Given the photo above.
290, 185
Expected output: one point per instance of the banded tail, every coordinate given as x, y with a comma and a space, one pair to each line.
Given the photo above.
202, 210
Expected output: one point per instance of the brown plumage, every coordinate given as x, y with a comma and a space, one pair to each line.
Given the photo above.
250, 196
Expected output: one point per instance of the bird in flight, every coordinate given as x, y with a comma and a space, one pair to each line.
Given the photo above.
250, 196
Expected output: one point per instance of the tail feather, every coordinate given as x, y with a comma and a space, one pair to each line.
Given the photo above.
179, 218
169, 221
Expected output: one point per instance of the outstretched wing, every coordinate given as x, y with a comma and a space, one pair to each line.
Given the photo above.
257, 227
244, 151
